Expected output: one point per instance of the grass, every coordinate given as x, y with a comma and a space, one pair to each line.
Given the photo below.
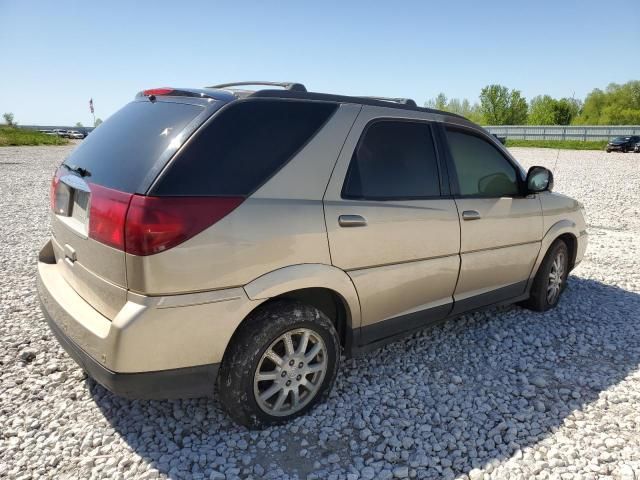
15, 136
562, 144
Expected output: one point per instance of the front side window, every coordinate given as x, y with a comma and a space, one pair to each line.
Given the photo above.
393, 160
482, 170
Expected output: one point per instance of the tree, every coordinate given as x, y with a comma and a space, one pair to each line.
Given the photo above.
542, 110
616, 105
501, 106
439, 103
97, 122
79, 125
9, 119
455, 105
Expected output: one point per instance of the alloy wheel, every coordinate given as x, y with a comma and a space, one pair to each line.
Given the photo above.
290, 372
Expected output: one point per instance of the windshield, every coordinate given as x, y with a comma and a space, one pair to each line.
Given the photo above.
621, 139
126, 147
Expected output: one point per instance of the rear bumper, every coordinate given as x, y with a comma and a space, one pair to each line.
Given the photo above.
165, 384
155, 346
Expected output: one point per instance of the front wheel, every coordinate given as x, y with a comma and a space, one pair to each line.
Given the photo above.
282, 361
551, 279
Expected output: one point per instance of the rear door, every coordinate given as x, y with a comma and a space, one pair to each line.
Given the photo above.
391, 224
118, 159
501, 225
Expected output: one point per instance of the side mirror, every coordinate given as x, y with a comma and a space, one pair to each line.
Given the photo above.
539, 179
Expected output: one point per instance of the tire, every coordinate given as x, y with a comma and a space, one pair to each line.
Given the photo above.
608, 151
261, 336
544, 294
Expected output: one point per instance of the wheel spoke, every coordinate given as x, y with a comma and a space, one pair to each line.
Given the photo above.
304, 342
270, 392
316, 367
264, 376
313, 352
288, 343
295, 398
280, 400
275, 358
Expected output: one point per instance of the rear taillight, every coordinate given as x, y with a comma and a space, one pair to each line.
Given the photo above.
143, 225
155, 224
107, 215
52, 191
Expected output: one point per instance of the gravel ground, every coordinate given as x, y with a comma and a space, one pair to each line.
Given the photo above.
499, 394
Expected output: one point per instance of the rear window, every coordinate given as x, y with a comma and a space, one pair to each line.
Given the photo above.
122, 151
243, 147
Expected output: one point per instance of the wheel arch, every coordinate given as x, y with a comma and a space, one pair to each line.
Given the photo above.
327, 288
565, 230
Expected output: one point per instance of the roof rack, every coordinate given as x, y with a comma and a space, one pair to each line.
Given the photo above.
402, 101
293, 86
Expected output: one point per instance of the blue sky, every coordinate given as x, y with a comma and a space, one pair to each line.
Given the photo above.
55, 55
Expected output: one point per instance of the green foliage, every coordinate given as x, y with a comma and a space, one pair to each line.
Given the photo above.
9, 119
562, 144
79, 125
501, 106
10, 136
544, 110
617, 105
455, 105
97, 122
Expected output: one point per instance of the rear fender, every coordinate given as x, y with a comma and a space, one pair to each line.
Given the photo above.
310, 275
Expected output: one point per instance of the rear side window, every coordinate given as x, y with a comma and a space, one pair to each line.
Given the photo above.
482, 170
126, 147
243, 147
394, 160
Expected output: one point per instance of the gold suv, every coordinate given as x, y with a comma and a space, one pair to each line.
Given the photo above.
245, 238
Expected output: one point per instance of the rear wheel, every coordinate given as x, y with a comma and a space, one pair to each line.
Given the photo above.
283, 360
551, 279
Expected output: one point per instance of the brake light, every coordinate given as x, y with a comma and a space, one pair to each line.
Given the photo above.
107, 215
54, 185
157, 91
155, 224
143, 225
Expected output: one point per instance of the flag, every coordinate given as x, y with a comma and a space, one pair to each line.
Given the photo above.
91, 105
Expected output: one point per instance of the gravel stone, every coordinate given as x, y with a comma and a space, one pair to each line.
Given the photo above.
502, 393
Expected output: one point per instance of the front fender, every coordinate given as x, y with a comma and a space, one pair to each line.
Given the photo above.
308, 275
557, 229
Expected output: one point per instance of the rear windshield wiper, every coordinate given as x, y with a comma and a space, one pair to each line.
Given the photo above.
83, 172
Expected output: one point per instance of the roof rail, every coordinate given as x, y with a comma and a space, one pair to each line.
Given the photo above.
402, 101
296, 87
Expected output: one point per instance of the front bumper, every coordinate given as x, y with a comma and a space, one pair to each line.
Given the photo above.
155, 346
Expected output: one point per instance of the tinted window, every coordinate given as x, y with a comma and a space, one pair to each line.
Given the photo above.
482, 169
394, 160
121, 151
242, 147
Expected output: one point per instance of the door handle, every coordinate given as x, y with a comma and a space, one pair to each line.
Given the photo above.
470, 215
352, 221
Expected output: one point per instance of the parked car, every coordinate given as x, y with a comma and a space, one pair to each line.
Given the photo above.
248, 237
76, 134
48, 132
623, 144
636, 148
61, 132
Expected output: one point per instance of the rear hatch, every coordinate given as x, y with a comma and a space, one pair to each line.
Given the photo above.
91, 191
